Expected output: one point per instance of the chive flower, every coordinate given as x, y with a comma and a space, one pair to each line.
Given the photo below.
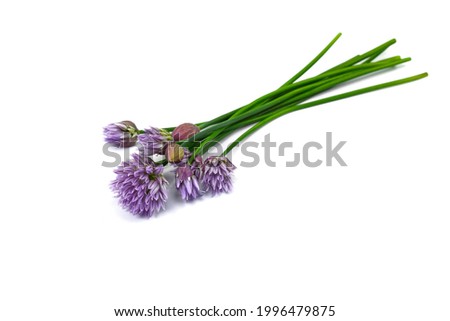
153, 141
121, 134
217, 174
187, 182
140, 186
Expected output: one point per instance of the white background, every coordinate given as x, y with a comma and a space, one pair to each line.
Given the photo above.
371, 239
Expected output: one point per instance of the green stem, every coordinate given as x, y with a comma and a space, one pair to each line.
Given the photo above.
296, 99
374, 52
290, 102
371, 54
266, 97
293, 108
312, 62
330, 80
345, 67
324, 85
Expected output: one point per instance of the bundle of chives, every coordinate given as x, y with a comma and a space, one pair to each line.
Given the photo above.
184, 145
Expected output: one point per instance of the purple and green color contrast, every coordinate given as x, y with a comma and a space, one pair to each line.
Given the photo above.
140, 184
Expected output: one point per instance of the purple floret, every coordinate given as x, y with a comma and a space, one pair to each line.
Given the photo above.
140, 186
217, 174
153, 141
187, 183
121, 134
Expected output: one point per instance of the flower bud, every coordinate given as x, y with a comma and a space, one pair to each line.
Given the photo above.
121, 134
184, 131
174, 153
127, 125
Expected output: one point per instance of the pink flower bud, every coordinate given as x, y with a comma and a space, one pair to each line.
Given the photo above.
174, 153
184, 131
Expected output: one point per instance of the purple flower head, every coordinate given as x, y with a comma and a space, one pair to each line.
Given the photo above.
153, 141
140, 186
217, 174
187, 183
197, 166
121, 134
